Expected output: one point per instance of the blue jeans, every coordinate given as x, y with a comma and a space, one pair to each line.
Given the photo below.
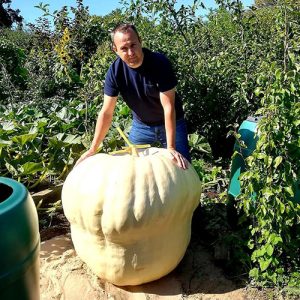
141, 133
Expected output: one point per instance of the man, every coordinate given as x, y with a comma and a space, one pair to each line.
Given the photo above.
147, 83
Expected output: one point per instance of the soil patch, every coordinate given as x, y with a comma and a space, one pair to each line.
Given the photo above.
65, 276
52, 226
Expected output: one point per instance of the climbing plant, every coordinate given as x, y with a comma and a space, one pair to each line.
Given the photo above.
270, 187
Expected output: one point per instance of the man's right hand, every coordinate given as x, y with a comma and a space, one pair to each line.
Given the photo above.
85, 155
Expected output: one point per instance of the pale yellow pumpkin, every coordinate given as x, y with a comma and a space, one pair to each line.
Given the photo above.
131, 216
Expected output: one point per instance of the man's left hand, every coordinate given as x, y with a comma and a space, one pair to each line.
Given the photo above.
179, 159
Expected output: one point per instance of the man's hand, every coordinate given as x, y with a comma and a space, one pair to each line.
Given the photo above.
179, 159
85, 155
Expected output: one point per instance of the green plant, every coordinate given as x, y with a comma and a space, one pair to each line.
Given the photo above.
39, 141
269, 184
13, 73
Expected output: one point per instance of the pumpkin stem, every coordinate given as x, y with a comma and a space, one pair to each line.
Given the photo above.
132, 148
124, 136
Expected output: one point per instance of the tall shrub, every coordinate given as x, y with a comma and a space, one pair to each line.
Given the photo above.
270, 187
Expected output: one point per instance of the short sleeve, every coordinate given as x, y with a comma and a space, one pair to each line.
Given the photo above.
110, 86
166, 78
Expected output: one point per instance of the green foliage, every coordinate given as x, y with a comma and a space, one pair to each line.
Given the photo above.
199, 147
272, 176
46, 125
39, 141
269, 185
263, 3
18, 37
12, 72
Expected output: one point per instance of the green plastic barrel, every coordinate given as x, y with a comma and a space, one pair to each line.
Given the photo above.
247, 131
19, 243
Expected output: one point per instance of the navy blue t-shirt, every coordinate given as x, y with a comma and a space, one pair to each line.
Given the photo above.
140, 87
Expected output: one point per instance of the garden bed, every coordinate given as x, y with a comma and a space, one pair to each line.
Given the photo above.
200, 275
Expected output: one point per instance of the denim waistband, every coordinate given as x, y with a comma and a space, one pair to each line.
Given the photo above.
153, 124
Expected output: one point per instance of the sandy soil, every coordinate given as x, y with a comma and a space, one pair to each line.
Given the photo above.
65, 277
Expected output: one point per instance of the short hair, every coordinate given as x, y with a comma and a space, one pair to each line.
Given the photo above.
123, 27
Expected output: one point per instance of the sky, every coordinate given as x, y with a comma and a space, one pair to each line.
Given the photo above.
96, 7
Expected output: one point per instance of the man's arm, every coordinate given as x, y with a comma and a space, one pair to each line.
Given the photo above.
168, 102
102, 126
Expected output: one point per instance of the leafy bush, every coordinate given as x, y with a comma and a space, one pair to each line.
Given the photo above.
12, 71
270, 183
39, 141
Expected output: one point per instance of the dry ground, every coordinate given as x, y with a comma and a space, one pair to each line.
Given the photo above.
65, 276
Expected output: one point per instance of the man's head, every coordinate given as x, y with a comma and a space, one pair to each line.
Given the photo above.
127, 45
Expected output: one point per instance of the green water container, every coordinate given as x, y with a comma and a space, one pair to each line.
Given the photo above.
19, 243
247, 131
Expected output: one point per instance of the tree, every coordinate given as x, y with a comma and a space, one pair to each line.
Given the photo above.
263, 3
8, 16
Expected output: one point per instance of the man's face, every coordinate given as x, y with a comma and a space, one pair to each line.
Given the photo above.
128, 46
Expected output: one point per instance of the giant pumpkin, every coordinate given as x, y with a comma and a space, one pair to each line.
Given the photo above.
130, 215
